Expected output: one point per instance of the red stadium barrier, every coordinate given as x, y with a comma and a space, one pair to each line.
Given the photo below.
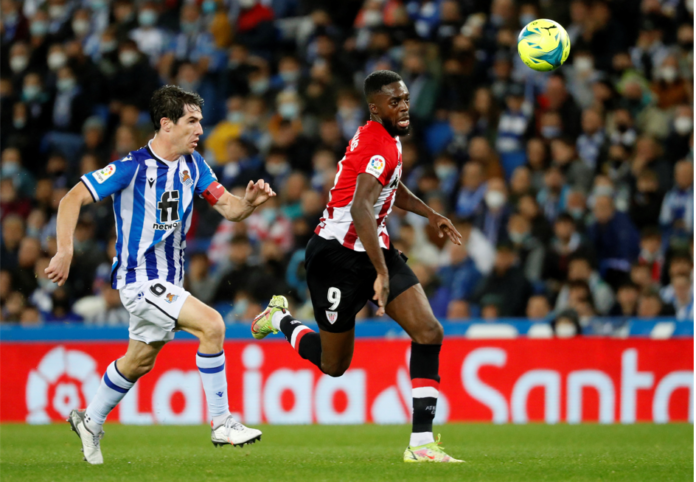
591, 379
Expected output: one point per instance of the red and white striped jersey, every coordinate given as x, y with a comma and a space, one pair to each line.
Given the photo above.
374, 152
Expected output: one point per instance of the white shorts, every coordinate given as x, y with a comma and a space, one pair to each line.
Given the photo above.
154, 307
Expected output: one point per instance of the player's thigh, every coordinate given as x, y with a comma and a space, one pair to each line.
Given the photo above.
200, 319
139, 358
336, 350
412, 311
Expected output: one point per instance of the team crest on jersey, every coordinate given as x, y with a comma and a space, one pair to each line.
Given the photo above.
170, 298
104, 174
186, 178
375, 166
332, 316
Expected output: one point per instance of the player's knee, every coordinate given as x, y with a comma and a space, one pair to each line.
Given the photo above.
335, 369
141, 369
431, 334
214, 329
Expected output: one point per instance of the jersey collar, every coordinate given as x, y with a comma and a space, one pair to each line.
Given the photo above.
158, 158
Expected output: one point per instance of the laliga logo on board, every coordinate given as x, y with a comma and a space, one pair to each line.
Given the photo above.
63, 380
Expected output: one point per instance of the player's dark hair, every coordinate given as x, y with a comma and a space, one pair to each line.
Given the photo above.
169, 102
378, 79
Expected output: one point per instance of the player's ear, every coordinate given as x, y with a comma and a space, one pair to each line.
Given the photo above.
165, 124
372, 108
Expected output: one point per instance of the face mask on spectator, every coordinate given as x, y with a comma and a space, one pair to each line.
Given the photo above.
517, 238
147, 18
495, 199
19, 122
38, 28
18, 63
276, 169
444, 172
240, 308
128, 58
56, 11
31, 92
235, 117
577, 213
10, 18
550, 132
526, 18
188, 86
247, 3
603, 191
209, 6
372, 18
290, 76
683, 125
289, 110
583, 64
668, 73
108, 46
66, 84
98, 4
80, 26
189, 27
565, 330
259, 87
56, 60
9, 168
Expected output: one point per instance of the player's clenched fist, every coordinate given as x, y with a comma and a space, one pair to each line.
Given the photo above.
258, 193
58, 268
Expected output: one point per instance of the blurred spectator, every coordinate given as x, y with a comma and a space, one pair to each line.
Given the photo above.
592, 142
492, 219
237, 276
61, 308
552, 198
105, 308
538, 160
580, 270
566, 245
575, 172
23, 277
473, 187
677, 214
529, 249
558, 100
646, 200
12, 234
626, 300
538, 308
641, 275
458, 279
651, 252
683, 297
615, 240
512, 127
650, 306
566, 324
508, 282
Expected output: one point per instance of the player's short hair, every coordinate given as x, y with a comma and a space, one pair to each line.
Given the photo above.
169, 102
378, 79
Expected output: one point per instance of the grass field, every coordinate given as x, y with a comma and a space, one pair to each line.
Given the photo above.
365, 453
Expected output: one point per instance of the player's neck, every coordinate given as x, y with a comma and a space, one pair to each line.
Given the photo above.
163, 149
375, 118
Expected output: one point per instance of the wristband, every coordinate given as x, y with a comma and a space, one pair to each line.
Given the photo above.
213, 193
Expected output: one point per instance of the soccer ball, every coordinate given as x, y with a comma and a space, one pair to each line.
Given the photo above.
543, 45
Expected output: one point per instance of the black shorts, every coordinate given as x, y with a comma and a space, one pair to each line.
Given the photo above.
341, 281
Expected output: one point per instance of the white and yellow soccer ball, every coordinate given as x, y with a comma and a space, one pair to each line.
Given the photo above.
543, 45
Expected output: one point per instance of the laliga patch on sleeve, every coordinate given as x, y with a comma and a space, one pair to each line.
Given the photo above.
375, 166
104, 174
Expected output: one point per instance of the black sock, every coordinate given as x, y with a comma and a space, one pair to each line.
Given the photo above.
306, 341
425, 363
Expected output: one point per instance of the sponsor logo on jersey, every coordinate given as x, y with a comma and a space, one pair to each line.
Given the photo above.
376, 166
164, 227
170, 298
186, 178
332, 316
104, 174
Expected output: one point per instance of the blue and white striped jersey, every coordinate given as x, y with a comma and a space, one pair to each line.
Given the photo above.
153, 201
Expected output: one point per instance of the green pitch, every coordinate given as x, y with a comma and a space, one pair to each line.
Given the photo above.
364, 453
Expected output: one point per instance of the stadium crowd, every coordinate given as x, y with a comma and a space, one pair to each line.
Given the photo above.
573, 189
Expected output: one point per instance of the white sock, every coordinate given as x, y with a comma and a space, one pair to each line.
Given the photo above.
220, 419
212, 370
112, 389
421, 438
277, 316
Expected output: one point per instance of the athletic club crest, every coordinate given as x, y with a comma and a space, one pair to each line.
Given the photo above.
186, 178
332, 316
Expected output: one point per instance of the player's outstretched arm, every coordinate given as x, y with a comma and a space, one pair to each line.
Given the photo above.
408, 201
68, 213
236, 209
363, 212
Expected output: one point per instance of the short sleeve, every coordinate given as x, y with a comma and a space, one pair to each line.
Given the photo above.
206, 177
376, 161
113, 178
